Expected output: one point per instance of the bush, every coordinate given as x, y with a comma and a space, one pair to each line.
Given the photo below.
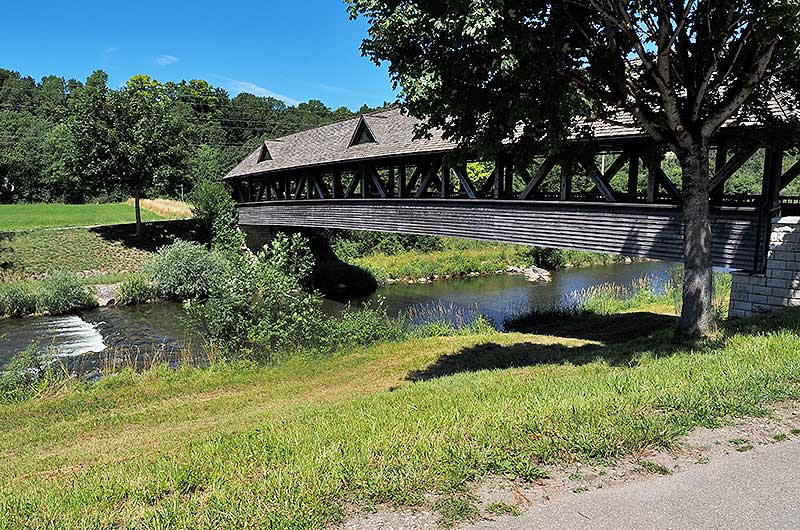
184, 271
290, 254
136, 290
17, 299
63, 293
22, 374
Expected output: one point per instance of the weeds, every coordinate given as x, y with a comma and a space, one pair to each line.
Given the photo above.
502, 508
654, 468
456, 509
60, 294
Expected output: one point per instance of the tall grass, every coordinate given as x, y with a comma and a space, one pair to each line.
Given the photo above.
168, 208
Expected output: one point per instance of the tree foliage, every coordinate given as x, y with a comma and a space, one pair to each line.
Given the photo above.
533, 73
72, 141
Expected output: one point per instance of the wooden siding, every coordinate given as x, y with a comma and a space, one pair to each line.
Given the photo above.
648, 231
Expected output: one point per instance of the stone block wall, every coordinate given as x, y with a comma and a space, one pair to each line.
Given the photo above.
256, 236
779, 288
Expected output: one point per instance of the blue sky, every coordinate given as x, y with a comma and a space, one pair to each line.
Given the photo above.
292, 49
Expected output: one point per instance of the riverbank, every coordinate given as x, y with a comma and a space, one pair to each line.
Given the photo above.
406, 423
458, 258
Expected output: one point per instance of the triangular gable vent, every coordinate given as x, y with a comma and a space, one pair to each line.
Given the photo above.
264, 155
362, 134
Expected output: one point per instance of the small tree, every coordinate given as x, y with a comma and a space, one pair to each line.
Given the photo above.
478, 69
146, 134
122, 139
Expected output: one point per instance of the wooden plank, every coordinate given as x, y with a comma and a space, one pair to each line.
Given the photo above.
337, 183
298, 192
415, 176
466, 183
401, 180
351, 188
738, 159
791, 174
590, 165
633, 175
430, 177
319, 186
653, 232
536, 180
376, 181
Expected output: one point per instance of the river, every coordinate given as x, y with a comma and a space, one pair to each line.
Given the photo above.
158, 329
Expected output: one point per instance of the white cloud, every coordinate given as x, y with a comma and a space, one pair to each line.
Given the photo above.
166, 60
252, 88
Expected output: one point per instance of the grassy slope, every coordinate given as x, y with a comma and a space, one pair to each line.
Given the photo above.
111, 249
14, 217
72, 250
284, 447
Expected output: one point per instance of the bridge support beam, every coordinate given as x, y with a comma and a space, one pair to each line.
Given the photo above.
777, 288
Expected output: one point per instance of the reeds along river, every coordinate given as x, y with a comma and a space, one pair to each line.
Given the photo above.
143, 332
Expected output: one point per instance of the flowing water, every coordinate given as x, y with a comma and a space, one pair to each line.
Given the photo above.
158, 329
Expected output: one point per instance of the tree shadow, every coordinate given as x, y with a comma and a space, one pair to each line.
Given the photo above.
610, 329
156, 234
617, 340
6, 254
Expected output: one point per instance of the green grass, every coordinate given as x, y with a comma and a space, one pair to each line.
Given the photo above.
15, 217
241, 445
459, 257
111, 252
76, 250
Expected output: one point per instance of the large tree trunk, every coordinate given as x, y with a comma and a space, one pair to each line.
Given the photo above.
136, 197
697, 316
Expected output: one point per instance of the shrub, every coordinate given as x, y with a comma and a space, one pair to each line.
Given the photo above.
290, 254
22, 374
63, 293
184, 271
17, 299
360, 327
136, 290
212, 203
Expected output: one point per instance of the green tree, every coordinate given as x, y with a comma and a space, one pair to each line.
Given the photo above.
478, 69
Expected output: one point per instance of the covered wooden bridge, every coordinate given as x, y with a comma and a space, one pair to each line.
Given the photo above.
610, 195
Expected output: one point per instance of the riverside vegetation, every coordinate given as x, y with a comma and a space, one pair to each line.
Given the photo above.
290, 444
297, 416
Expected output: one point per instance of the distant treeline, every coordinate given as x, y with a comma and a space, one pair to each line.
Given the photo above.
71, 141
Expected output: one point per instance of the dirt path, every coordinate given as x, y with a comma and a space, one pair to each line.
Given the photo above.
742, 475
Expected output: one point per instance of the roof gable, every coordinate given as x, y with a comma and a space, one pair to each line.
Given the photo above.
264, 154
362, 134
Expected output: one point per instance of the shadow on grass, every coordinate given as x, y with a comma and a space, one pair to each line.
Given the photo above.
620, 340
156, 234
610, 329
6, 254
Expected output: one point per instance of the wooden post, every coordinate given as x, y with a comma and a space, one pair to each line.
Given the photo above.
566, 179
445, 182
390, 181
363, 181
401, 180
770, 197
497, 187
508, 188
633, 175
337, 184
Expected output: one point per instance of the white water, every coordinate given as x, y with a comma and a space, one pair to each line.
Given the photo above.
69, 336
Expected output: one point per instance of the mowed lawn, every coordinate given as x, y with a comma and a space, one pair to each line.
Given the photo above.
287, 447
14, 217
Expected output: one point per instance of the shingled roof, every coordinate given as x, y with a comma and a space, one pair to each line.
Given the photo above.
393, 135
392, 131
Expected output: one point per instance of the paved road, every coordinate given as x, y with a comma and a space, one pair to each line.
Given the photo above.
757, 490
